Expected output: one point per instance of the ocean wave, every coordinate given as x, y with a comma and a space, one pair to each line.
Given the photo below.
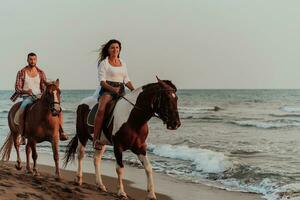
269, 189
267, 124
285, 115
4, 111
290, 109
208, 118
68, 110
253, 179
244, 152
289, 191
204, 160
197, 110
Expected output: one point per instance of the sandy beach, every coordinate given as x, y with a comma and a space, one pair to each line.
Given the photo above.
16, 185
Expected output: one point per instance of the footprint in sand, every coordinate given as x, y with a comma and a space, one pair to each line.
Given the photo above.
6, 184
31, 196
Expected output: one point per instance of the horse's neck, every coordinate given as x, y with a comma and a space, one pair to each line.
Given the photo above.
142, 112
43, 107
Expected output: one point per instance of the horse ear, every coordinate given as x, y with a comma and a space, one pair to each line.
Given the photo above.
57, 83
158, 79
160, 82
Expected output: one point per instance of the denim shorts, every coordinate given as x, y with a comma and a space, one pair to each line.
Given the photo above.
113, 84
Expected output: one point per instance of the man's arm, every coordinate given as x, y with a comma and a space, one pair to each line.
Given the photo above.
19, 84
43, 81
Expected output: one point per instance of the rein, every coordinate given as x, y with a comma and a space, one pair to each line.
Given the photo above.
135, 106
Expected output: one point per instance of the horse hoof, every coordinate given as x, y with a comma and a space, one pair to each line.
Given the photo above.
18, 167
151, 196
36, 173
122, 195
78, 181
102, 188
57, 178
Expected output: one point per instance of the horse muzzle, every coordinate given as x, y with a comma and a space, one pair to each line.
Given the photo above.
55, 112
173, 125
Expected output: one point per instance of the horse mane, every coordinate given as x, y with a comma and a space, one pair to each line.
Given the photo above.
168, 82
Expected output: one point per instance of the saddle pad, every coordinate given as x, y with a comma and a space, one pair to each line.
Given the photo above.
107, 116
91, 116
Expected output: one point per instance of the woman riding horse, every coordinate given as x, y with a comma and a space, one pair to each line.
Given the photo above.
112, 74
127, 130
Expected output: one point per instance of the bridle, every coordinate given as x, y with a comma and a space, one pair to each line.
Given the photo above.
157, 101
52, 104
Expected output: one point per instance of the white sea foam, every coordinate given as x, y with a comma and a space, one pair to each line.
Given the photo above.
268, 124
291, 109
204, 160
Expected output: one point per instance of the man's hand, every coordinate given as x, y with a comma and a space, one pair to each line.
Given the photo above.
29, 92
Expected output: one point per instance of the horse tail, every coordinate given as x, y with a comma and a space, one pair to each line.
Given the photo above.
7, 146
70, 151
80, 129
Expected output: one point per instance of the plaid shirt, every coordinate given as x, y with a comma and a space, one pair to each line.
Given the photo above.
20, 83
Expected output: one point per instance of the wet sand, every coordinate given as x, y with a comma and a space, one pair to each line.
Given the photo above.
16, 185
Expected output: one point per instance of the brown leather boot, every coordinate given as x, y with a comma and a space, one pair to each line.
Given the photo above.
62, 134
97, 130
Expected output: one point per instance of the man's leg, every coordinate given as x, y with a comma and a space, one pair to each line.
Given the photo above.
62, 134
21, 120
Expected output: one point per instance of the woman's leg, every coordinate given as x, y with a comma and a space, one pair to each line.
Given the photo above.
98, 124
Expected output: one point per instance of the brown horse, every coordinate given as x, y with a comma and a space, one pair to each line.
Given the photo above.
127, 130
41, 124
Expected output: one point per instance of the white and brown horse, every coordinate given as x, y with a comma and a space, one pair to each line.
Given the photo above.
41, 124
127, 130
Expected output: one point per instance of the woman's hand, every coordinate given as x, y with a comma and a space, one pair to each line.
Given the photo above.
116, 90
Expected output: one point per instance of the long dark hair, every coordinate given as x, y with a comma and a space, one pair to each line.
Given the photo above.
104, 49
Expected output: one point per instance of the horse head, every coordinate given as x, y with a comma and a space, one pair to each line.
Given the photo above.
52, 97
165, 104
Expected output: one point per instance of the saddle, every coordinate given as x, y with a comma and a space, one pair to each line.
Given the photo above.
107, 115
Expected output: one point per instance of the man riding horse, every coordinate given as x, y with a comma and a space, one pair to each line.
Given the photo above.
30, 85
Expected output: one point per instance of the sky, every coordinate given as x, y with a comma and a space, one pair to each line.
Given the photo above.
198, 44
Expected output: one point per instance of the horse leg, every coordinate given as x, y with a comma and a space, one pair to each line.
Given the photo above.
120, 171
80, 152
17, 147
148, 169
28, 151
97, 163
34, 158
56, 156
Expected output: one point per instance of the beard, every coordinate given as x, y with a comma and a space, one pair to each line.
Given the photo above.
31, 65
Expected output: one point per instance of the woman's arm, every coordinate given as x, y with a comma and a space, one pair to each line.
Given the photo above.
129, 85
127, 81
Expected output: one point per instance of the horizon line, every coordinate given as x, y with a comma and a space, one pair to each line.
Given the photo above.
187, 89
